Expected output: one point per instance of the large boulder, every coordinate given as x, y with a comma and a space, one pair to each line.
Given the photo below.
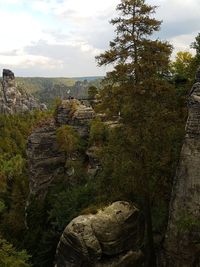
112, 237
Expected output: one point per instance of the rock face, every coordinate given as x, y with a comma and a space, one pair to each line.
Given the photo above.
13, 99
183, 234
76, 114
112, 237
45, 160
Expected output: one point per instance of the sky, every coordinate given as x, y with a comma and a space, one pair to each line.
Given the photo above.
60, 38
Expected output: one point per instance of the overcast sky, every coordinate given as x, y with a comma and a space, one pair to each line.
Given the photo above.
61, 37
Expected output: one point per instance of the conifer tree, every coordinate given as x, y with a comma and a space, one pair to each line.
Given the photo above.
196, 60
136, 89
134, 54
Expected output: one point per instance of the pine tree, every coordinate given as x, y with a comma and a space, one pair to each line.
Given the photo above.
137, 90
196, 60
134, 54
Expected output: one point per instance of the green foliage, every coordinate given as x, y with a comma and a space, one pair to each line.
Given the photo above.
196, 45
98, 132
144, 99
92, 91
139, 158
67, 139
13, 166
48, 218
187, 223
9, 257
196, 59
14, 188
47, 89
36, 84
70, 202
181, 67
134, 56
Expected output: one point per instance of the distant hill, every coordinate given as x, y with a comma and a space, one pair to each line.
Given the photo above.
35, 84
90, 78
47, 89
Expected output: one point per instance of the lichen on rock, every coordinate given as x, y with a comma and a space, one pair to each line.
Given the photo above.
112, 237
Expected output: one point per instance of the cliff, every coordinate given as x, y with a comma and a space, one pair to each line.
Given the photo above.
46, 162
14, 99
182, 241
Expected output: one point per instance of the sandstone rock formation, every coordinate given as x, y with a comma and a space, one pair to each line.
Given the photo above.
13, 99
112, 237
45, 160
76, 114
183, 234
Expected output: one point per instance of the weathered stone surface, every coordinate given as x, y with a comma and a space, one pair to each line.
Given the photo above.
45, 160
74, 113
8, 74
112, 237
94, 164
14, 100
183, 233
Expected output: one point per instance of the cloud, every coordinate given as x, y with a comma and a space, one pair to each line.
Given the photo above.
62, 37
17, 29
181, 21
72, 60
27, 61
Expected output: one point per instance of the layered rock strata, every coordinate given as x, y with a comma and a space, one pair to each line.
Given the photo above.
74, 113
45, 160
182, 244
112, 237
13, 99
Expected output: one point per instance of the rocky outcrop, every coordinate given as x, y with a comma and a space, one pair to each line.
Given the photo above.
46, 162
13, 99
75, 114
112, 237
181, 248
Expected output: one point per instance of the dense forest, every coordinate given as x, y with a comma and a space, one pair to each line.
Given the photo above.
146, 92
47, 89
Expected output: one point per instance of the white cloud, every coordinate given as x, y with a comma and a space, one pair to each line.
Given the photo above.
85, 9
74, 31
175, 10
17, 29
182, 43
28, 61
